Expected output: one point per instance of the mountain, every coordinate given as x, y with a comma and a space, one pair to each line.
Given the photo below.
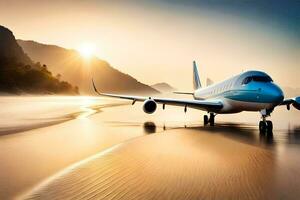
209, 82
77, 70
163, 87
9, 48
19, 74
291, 92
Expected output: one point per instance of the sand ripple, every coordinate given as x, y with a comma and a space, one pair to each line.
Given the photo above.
169, 165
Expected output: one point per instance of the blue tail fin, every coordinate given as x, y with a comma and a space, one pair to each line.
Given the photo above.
196, 79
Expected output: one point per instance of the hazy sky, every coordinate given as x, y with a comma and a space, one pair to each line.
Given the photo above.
156, 41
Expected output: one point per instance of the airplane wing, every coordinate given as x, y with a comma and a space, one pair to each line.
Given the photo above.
288, 101
211, 105
294, 101
187, 93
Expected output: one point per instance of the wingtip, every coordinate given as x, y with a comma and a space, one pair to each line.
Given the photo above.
94, 86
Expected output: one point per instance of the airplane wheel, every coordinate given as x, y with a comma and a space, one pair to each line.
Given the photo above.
205, 119
212, 120
269, 126
262, 127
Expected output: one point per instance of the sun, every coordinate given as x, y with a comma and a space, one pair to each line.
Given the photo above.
86, 50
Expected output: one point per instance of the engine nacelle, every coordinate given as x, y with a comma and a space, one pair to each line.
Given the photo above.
149, 106
296, 104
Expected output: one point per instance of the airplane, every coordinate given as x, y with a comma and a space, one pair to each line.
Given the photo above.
248, 91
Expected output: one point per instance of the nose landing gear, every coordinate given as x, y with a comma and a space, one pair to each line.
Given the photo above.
210, 120
265, 126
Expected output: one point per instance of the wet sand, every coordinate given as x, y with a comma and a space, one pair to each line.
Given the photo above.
121, 153
170, 165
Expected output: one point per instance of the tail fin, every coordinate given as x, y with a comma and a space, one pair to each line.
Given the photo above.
196, 79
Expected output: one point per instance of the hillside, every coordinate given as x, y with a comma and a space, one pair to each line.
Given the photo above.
76, 70
291, 92
10, 51
19, 74
163, 87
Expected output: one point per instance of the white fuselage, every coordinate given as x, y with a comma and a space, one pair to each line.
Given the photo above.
249, 91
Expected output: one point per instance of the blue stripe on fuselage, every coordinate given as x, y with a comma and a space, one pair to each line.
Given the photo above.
248, 96
255, 92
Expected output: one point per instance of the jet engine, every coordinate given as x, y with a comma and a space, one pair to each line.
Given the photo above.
296, 103
149, 106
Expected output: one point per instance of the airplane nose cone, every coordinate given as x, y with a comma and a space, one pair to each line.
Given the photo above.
276, 94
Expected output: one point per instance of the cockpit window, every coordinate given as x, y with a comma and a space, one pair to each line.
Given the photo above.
246, 80
264, 79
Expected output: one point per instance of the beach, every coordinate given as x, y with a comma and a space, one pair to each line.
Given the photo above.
103, 149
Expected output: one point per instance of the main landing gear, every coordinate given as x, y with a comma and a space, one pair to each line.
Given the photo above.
210, 120
265, 126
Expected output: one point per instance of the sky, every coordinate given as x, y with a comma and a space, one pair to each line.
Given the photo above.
157, 40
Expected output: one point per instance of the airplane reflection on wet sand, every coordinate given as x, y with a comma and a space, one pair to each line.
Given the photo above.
242, 132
